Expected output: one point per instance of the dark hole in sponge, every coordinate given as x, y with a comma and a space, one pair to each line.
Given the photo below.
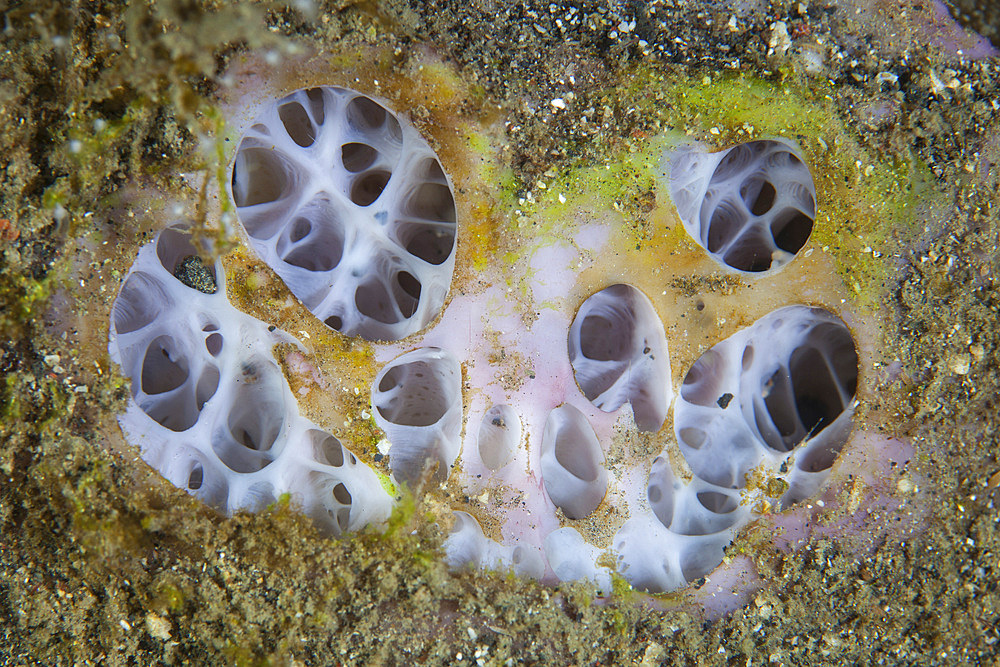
814, 391
389, 380
357, 156
430, 244
749, 256
367, 188
604, 340
315, 97
817, 396
208, 383
409, 284
365, 113
750, 252
326, 448
791, 229
410, 298
716, 502
332, 451
164, 368
196, 478
432, 201
373, 300
297, 124
419, 403
258, 177
253, 431
725, 223
780, 404
342, 495
317, 247
432, 170
300, 229
764, 200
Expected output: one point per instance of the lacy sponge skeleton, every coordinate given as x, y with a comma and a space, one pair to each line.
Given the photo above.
350, 206
211, 409
750, 206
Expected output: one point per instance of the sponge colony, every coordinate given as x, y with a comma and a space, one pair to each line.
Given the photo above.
351, 208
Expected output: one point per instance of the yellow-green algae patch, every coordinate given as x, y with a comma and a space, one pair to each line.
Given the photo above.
867, 203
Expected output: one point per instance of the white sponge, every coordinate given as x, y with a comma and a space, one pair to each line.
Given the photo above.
468, 545
417, 401
572, 463
751, 206
499, 436
211, 410
619, 355
786, 381
351, 208
775, 398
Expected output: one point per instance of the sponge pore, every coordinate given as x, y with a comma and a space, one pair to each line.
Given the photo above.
351, 208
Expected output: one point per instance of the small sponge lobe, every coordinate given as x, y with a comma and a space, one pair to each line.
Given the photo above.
417, 400
751, 206
572, 463
211, 410
618, 351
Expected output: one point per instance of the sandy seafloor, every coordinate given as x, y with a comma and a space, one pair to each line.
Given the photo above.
102, 562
